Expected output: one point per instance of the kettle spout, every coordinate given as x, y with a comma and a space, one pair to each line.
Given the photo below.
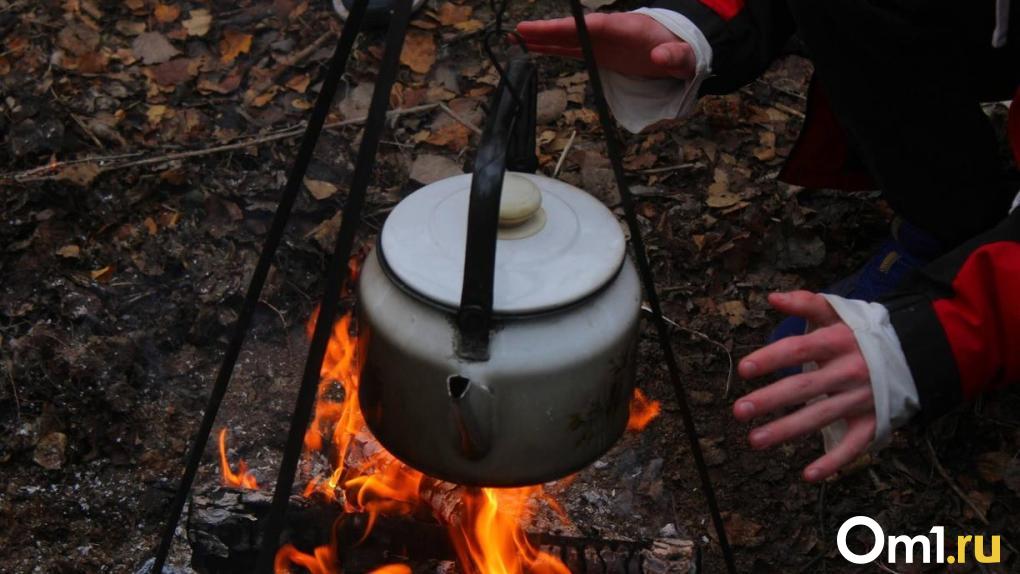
472, 408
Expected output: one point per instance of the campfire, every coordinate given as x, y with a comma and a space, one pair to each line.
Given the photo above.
487, 527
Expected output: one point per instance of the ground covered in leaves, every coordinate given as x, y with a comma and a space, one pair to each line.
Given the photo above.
142, 149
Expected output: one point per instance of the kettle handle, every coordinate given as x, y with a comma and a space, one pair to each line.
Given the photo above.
508, 142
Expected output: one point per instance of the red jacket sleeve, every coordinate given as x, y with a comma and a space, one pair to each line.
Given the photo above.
959, 320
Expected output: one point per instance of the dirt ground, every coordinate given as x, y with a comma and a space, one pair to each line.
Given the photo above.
120, 276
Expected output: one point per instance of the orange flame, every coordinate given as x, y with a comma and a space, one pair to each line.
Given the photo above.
392, 569
487, 526
324, 561
242, 478
642, 411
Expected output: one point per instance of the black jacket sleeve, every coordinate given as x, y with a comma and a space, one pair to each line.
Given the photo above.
746, 36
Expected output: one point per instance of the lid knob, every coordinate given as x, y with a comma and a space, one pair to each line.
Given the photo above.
520, 208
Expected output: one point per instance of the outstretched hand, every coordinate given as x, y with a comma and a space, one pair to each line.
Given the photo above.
631, 44
841, 385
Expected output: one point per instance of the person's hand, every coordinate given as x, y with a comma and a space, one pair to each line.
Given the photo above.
842, 376
632, 44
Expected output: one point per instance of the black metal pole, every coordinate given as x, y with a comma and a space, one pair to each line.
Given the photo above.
336, 274
334, 72
648, 278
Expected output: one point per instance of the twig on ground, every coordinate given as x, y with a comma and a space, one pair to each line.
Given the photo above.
287, 133
454, 115
77, 119
700, 335
9, 367
563, 154
787, 109
952, 483
677, 167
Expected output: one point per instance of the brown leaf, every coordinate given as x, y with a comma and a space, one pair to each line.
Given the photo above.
453, 135
719, 194
767, 150
450, 14
299, 83
734, 311
419, 52
469, 26
69, 251
174, 72
153, 48
166, 13
78, 39
642, 161
583, 115
130, 27
81, 174
260, 100
743, 531
992, 465
233, 44
320, 189
429, 168
103, 274
50, 452
208, 84
199, 22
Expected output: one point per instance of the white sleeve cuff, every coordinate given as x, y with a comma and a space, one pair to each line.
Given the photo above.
892, 383
640, 102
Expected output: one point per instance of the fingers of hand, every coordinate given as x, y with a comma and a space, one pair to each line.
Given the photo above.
675, 58
805, 304
556, 32
841, 373
564, 51
819, 345
859, 434
813, 417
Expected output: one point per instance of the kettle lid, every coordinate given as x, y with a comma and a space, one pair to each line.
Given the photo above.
557, 244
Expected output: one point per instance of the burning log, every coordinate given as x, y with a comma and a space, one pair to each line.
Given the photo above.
224, 533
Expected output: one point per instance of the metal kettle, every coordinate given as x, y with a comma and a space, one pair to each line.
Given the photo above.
501, 312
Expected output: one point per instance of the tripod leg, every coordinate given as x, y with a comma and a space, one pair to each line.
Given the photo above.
336, 274
648, 279
335, 71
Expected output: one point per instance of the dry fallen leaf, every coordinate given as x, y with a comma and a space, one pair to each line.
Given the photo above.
299, 83
419, 52
734, 311
320, 189
166, 13
199, 22
102, 274
155, 113
719, 194
453, 135
450, 14
234, 44
153, 48
469, 26
80, 173
69, 251
173, 72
